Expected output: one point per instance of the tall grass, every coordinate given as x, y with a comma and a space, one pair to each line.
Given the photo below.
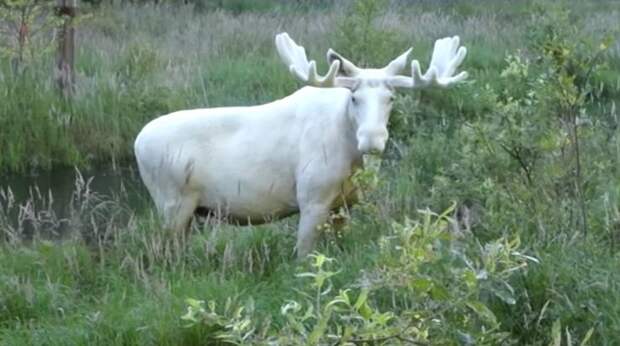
70, 280
106, 273
135, 62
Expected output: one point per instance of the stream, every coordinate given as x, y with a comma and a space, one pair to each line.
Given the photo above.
53, 194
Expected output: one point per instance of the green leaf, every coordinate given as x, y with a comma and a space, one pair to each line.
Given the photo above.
483, 312
505, 296
469, 276
319, 329
361, 299
382, 319
305, 275
439, 293
422, 285
365, 311
195, 303
587, 337
190, 316
556, 333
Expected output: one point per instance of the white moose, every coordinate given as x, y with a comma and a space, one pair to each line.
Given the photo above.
296, 154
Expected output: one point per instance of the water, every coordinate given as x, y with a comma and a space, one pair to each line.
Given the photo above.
54, 190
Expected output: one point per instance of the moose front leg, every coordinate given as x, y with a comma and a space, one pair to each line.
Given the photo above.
311, 217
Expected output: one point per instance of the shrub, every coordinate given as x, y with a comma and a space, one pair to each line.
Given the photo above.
439, 286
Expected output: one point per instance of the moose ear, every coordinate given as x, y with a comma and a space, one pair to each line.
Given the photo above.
347, 68
398, 64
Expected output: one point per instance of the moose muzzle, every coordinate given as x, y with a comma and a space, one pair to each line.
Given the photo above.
372, 141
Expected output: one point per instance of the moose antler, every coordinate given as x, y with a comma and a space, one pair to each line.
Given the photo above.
447, 57
294, 56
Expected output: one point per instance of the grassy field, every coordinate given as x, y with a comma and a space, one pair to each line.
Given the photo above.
132, 64
525, 159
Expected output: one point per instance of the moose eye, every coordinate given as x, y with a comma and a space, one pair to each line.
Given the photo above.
353, 99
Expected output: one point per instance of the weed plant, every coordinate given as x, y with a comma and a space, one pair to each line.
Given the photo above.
523, 159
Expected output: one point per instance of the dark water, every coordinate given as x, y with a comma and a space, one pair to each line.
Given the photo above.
58, 186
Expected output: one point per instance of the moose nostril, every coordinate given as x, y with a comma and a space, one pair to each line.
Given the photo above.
369, 146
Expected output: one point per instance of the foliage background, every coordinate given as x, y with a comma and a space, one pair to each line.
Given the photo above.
524, 157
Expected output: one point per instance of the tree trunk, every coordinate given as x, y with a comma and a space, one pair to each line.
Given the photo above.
66, 9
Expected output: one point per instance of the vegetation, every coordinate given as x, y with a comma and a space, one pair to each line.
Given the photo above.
523, 159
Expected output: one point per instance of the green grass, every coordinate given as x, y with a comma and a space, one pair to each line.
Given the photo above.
130, 289
200, 59
134, 290
208, 58
113, 277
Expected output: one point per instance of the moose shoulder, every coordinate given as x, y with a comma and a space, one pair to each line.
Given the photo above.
295, 154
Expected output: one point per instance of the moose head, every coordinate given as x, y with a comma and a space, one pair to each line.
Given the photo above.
372, 89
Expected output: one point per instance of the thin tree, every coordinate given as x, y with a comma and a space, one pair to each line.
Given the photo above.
66, 10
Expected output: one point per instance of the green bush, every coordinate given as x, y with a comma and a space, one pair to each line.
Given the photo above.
358, 38
442, 286
527, 255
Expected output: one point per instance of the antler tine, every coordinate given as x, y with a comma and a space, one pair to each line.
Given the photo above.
294, 56
446, 58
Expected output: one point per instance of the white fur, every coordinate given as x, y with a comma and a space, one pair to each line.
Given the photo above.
253, 164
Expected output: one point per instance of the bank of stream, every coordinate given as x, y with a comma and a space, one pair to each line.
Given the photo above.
56, 195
